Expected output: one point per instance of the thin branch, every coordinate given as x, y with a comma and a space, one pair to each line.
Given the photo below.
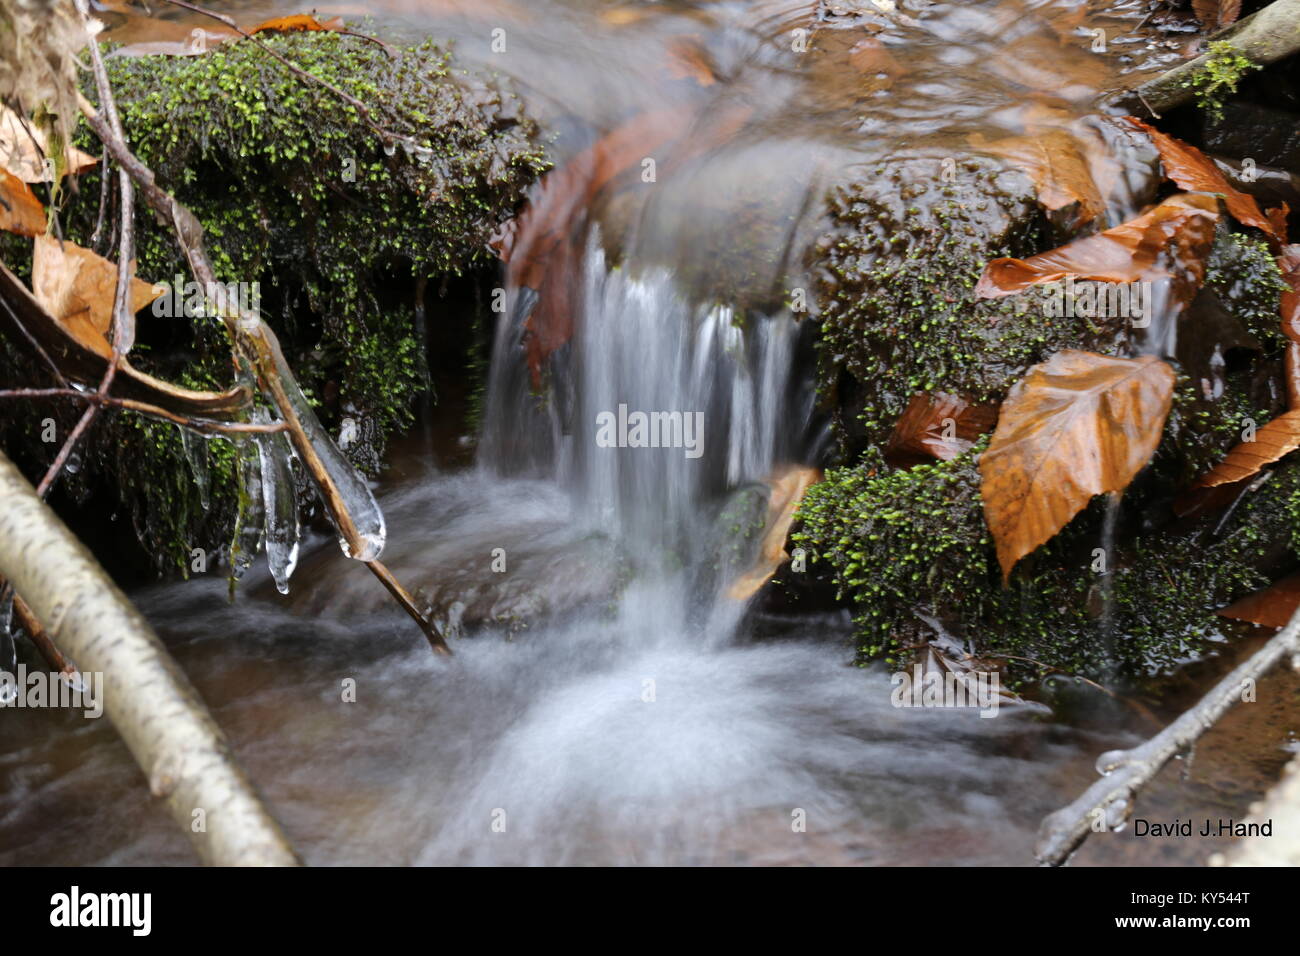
205, 425
1109, 800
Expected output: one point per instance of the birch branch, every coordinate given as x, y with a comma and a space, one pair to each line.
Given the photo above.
160, 716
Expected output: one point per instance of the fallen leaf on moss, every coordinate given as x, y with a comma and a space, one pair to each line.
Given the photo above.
23, 150
1170, 241
1077, 425
938, 426
1279, 437
1056, 163
1271, 607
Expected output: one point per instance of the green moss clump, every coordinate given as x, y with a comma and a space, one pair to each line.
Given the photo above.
898, 542
299, 194
1223, 70
896, 278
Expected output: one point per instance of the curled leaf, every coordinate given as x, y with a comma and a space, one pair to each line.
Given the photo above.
1271, 607
787, 490
77, 287
1273, 440
1056, 163
1078, 425
1194, 171
938, 426
1170, 241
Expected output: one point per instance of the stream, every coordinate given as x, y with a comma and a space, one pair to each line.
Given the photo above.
609, 702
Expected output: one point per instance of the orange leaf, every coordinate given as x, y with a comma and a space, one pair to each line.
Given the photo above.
1058, 167
1182, 225
20, 210
1279, 437
297, 22
1271, 607
787, 490
1190, 168
77, 288
1076, 426
938, 426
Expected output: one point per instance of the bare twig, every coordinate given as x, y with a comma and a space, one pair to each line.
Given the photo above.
207, 426
431, 631
1109, 800
257, 343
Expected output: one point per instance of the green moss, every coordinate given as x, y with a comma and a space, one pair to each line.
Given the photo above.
1223, 70
298, 193
897, 274
899, 542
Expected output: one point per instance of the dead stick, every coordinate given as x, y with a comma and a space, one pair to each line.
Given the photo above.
36, 634
431, 632
1127, 771
257, 338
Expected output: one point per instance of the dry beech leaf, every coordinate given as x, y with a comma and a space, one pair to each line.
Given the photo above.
20, 210
77, 287
1273, 440
1055, 161
1216, 14
23, 150
1077, 425
1194, 171
1182, 226
298, 22
1271, 607
787, 490
938, 426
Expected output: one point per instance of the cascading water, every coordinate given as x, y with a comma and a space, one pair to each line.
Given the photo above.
608, 702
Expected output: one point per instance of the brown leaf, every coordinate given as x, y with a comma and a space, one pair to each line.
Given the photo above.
1273, 440
20, 210
938, 426
1056, 163
787, 490
1277, 217
23, 150
1271, 607
1216, 14
1194, 171
1182, 225
1076, 426
77, 287
871, 56
298, 22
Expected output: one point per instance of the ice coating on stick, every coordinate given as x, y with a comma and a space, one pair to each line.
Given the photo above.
196, 453
248, 532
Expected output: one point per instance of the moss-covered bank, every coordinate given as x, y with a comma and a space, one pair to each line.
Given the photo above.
300, 196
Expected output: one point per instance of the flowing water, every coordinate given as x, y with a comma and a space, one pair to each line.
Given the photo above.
609, 702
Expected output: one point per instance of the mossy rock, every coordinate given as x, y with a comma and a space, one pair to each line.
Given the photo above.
901, 541
298, 193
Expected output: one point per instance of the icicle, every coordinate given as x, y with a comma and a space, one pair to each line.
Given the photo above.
280, 503
357, 498
248, 528
196, 453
